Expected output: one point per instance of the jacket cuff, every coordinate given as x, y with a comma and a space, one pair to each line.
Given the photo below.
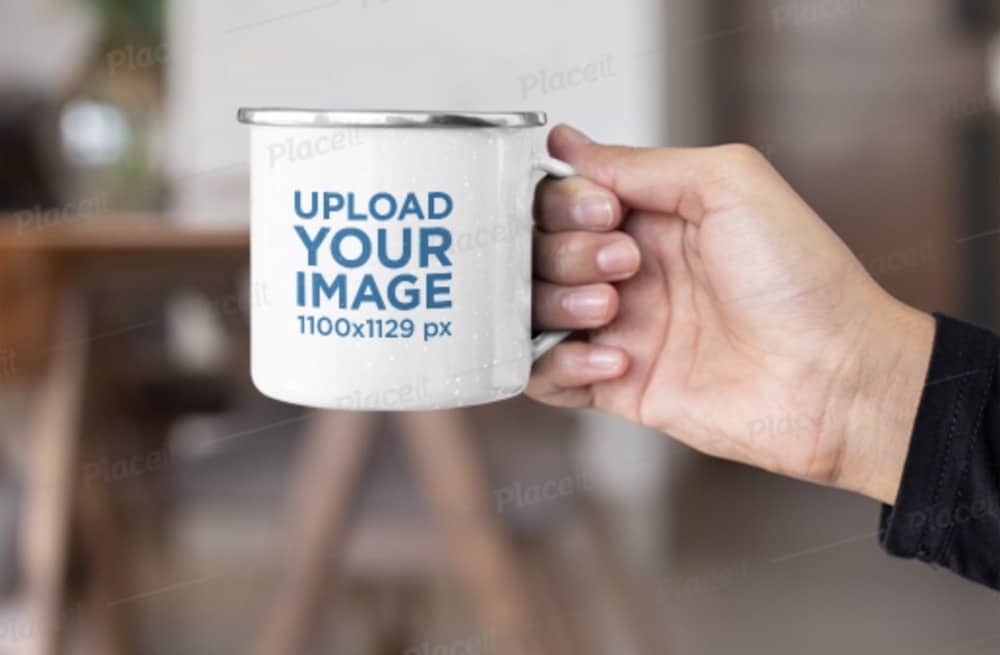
930, 502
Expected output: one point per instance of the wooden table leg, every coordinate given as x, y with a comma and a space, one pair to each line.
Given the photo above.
549, 589
50, 478
642, 611
452, 479
331, 464
101, 535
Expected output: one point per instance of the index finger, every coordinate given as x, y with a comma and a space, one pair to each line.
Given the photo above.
669, 180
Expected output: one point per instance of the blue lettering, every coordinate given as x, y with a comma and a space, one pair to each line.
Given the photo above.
411, 294
337, 250
373, 206
298, 205
435, 213
351, 214
312, 245
439, 250
433, 290
320, 286
383, 254
368, 292
411, 206
332, 203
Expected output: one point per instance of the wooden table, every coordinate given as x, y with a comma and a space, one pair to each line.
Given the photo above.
51, 279
65, 271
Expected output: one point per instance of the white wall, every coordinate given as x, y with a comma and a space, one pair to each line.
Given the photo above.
43, 43
400, 54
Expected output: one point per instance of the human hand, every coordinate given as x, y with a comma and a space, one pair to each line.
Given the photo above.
721, 310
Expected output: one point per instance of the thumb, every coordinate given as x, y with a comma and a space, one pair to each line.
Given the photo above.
669, 180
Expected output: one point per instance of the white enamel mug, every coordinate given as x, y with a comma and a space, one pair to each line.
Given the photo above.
395, 248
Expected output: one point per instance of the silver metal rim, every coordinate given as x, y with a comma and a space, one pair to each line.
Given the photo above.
276, 117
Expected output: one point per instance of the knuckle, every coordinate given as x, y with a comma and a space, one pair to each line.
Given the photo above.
550, 198
611, 162
533, 389
741, 153
627, 152
565, 360
736, 166
570, 188
564, 260
567, 194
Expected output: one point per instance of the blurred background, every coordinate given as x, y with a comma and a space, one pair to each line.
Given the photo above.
152, 502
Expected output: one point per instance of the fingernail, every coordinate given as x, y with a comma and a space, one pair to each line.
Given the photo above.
607, 359
586, 305
618, 258
594, 211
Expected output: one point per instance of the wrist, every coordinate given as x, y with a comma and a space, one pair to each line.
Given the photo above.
891, 372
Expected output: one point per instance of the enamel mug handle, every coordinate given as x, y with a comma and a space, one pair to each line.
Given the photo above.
546, 341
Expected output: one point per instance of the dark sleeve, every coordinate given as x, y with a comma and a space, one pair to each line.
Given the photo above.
947, 512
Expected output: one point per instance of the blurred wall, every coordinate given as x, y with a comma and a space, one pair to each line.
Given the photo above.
867, 109
648, 90
65, 28
401, 54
